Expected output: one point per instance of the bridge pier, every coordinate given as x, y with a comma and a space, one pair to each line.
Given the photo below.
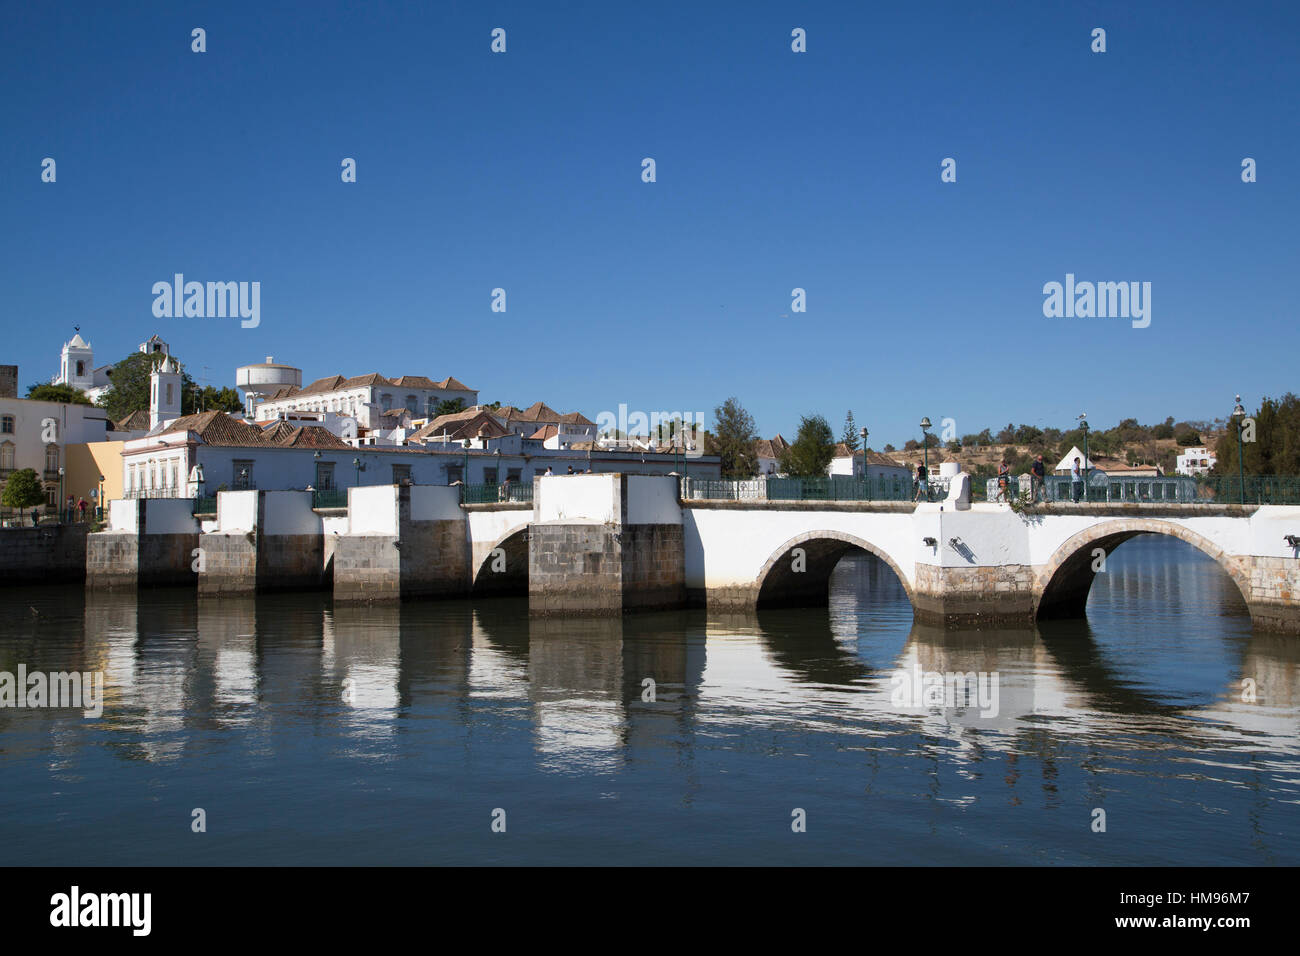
604, 545
402, 541
149, 543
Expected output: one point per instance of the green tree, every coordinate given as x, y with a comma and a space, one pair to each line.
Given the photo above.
812, 450
57, 393
130, 391
1185, 435
225, 399
733, 440
450, 406
1276, 448
23, 490
851, 438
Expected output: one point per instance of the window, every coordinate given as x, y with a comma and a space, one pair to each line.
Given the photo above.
175, 484
453, 473
514, 474
169, 394
324, 476
52, 458
386, 402
81, 369
401, 474
6, 425
243, 476
489, 476
7, 456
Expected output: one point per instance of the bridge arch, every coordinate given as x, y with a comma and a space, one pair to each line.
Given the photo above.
505, 573
1062, 586
779, 583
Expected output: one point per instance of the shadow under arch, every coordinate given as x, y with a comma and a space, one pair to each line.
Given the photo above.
1068, 574
789, 580
504, 573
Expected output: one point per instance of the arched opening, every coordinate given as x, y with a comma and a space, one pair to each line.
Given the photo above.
504, 569
799, 573
1070, 573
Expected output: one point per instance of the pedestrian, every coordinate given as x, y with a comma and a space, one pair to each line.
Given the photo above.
1038, 479
548, 471
922, 483
1004, 479
570, 469
81, 507
1076, 480
68, 510
505, 489
36, 517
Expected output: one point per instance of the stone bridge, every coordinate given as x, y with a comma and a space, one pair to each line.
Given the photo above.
606, 544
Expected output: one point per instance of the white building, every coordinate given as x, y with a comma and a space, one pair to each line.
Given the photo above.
769, 453
365, 397
846, 462
77, 365
1195, 461
36, 435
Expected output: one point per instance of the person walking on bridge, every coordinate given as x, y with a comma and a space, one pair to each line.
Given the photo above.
1004, 479
1038, 480
922, 483
1076, 480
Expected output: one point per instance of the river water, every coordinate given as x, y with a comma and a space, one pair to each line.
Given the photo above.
317, 735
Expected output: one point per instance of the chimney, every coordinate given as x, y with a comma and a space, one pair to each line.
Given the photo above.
8, 381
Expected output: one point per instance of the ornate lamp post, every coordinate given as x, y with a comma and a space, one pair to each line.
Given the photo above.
101, 498
63, 506
1239, 418
925, 433
866, 482
1083, 423
360, 466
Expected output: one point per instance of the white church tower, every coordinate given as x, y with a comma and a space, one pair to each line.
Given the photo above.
164, 392
77, 366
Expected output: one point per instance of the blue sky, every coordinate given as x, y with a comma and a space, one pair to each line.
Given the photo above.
775, 170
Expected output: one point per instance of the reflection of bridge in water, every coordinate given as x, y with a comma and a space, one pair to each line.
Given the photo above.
174, 664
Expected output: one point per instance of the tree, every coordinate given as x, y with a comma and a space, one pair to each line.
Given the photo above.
1185, 435
23, 490
954, 446
226, 399
890, 448
911, 445
450, 406
57, 393
1008, 435
1276, 448
812, 450
130, 391
733, 440
850, 437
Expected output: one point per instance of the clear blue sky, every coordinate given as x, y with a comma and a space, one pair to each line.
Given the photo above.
775, 170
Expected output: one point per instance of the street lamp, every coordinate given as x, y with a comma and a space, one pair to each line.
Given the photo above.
464, 478
1239, 416
1083, 423
360, 466
62, 503
866, 485
925, 432
101, 498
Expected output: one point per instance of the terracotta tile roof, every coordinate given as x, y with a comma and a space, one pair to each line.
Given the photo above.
365, 381
452, 384
771, 448
278, 431
218, 428
545, 432
468, 424
283, 391
414, 381
576, 418
136, 421
313, 436
328, 384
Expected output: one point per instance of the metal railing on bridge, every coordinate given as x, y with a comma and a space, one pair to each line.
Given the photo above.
1169, 489
512, 491
773, 488
329, 498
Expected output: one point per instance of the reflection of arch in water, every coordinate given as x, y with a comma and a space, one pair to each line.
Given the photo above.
784, 581
1067, 577
504, 572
